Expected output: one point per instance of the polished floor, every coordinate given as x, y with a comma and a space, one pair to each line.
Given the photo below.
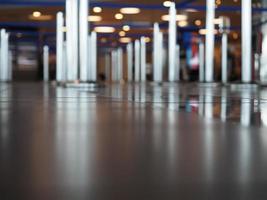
133, 142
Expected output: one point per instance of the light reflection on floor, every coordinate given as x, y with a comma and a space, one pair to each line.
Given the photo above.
184, 141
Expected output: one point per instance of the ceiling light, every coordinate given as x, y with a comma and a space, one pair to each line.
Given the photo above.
41, 17
147, 39
122, 33
125, 40
119, 16
191, 10
103, 40
198, 22
235, 35
183, 23
94, 18
126, 28
204, 31
130, 10
36, 14
104, 29
167, 3
97, 9
178, 17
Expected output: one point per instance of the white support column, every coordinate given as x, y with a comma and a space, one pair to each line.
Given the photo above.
4, 36
209, 57
10, 65
60, 41
83, 37
120, 64
107, 66
246, 41
143, 59
161, 56
93, 57
6, 39
130, 62
172, 42
72, 38
224, 26
64, 63
46, 63
137, 61
201, 62
224, 58
263, 59
224, 104
157, 54
114, 67
177, 63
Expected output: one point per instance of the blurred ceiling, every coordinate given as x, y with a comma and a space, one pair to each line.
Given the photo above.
16, 15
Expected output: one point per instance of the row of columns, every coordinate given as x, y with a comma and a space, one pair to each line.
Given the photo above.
136, 62
81, 49
76, 48
246, 12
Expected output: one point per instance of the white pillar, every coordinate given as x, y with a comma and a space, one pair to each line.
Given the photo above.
46, 63
201, 62
246, 41
120, 64
263, 59
83, 39
177, 63
60, 41
107, 66
114, 67
137, 61
10, 65
172, 42
224, 58
4, 36
64, 63
93, 57
209, 57
143, 59
130, 62
72, 38
157, 54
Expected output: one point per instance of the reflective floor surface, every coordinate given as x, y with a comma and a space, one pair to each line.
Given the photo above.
133, 142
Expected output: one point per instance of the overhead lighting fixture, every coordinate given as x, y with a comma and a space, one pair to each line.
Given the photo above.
119, 16
198, 22
97, 9
104, 29
167, 3
94, 18
122, 33
191, 10
147, 39
126, 28
41, 18
204, 31
103, 40
125, 40
183, 23
36, 14
130, 10
235, 35
178, 17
